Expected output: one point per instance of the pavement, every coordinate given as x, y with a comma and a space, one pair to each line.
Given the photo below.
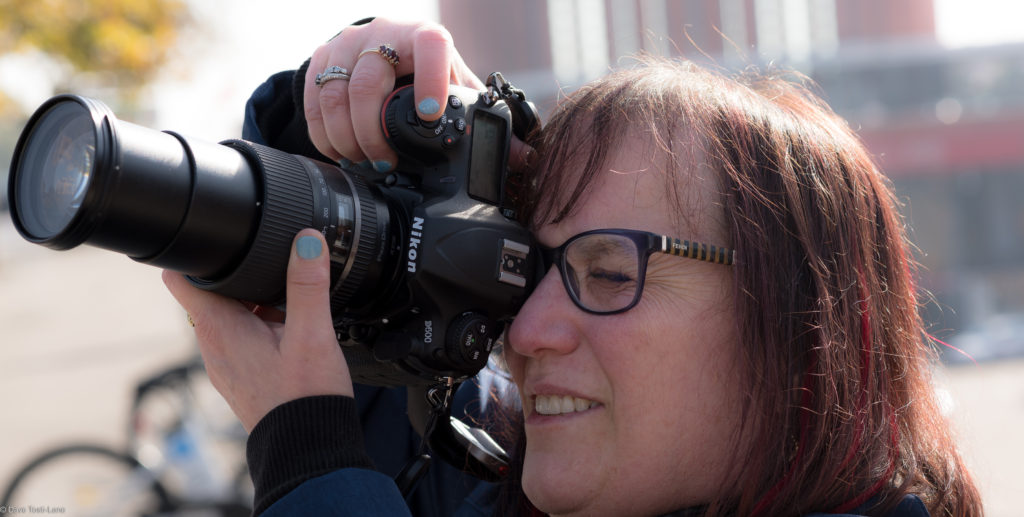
79, 328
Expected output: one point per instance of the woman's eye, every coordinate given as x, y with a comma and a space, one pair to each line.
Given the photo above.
610, 276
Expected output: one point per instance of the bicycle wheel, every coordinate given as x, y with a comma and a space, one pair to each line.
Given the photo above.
86, 480
182, 428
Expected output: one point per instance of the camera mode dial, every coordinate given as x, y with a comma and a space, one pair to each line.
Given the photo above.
470, 339
406, 131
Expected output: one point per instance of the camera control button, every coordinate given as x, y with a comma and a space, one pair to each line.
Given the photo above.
448, 141
411, 118
471, 337
454, 102
460, 125
435, 126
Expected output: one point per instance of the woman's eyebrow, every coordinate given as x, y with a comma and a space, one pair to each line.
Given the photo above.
599, 245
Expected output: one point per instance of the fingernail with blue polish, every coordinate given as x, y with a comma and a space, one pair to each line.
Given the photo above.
308, 247
365, 164
382, 165
428, 106
345, 162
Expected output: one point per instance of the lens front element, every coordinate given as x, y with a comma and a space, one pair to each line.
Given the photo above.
54, 170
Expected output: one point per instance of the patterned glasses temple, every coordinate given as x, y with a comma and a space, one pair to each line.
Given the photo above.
697, 250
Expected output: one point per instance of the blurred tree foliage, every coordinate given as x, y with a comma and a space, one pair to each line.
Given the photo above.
124, 40
5, 102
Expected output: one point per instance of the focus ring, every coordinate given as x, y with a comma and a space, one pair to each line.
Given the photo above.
366, 248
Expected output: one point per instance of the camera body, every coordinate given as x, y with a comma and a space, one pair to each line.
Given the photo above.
463, 267
426, 264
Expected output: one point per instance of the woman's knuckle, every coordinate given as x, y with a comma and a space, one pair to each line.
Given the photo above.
310, 278
319, 53
313, 112
364, 86
332, 99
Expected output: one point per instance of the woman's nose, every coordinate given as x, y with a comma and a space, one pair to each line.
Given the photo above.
548, 322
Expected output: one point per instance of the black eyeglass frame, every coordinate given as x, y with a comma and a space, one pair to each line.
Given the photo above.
647, 244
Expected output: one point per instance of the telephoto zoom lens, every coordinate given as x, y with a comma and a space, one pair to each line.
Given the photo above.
52, 197
223, 214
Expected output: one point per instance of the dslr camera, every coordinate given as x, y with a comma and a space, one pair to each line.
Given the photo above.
427, 262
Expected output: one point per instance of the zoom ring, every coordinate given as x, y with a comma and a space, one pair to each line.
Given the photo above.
367, 247
287, 202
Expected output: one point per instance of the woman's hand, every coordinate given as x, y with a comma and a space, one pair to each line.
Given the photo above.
255, 361
344, 115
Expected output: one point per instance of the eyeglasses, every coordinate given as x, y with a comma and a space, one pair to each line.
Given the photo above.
603, 270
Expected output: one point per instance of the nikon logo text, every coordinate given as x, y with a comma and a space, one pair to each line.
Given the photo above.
414, 243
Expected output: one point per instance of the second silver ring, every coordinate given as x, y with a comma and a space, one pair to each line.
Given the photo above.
331, 73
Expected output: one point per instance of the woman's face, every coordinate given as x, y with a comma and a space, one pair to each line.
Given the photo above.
656, 385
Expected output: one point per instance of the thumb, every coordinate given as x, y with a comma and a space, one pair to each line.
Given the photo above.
308, 315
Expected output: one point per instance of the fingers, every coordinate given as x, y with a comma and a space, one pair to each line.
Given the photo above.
257, 365
308, 318
231, 340
344, 116
210, 312
310, 356
432, 47
320, 105
373, 79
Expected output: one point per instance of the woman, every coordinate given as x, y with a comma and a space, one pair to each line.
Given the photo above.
787, 374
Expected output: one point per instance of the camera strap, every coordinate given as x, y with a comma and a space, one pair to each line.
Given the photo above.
439, 398
470, 449
525, 118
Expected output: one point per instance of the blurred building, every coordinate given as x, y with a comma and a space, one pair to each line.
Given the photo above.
946, 126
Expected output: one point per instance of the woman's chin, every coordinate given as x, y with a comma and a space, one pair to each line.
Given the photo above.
556, 493
554, 501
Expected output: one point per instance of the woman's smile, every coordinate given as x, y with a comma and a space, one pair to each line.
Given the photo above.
561, 404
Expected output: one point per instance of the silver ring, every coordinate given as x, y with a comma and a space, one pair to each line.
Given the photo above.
331, 73
385, 51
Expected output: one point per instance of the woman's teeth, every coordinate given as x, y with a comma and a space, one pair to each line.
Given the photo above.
560, 404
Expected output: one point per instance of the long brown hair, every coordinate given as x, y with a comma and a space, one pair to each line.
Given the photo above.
840, 412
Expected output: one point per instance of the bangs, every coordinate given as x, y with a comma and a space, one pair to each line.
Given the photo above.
603, 117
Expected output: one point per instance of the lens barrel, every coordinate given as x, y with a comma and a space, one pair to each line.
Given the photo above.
223, 214
136, 189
